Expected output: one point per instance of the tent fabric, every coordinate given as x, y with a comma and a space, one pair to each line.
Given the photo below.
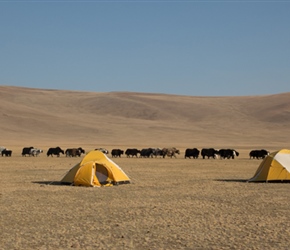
95, 170
275, 167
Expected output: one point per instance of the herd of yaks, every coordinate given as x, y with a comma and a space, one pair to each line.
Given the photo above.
193, 153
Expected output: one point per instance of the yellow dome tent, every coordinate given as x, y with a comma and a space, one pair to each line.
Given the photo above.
95, 170
275, 167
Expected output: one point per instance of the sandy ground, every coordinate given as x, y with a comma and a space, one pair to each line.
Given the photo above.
170, 204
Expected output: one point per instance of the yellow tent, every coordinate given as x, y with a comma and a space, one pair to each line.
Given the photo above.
95, 170
275, 167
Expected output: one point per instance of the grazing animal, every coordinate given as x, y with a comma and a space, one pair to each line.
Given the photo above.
209, 152
170, 152
117, 152
132, 152
228, 153
191, 152
26, 151
73, 152
54, 151
258, 154
146, 152
35, 151
103, 150
6, 152
157, 152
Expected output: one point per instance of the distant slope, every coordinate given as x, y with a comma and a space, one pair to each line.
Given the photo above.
125, 118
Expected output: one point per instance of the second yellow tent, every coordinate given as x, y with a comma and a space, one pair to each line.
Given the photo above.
275, 167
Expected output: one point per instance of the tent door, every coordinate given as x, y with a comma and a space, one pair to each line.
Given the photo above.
102, 174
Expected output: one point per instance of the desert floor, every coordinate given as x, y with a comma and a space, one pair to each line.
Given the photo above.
170, 204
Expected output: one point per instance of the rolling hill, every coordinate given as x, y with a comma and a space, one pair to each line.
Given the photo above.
53, 117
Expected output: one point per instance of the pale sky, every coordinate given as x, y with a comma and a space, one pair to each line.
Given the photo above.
196, 48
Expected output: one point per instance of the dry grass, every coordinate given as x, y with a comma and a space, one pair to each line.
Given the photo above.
171, 203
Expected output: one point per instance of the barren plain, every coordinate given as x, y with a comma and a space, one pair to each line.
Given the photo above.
170, 203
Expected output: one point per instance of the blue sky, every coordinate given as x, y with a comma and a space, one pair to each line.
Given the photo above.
197, 48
